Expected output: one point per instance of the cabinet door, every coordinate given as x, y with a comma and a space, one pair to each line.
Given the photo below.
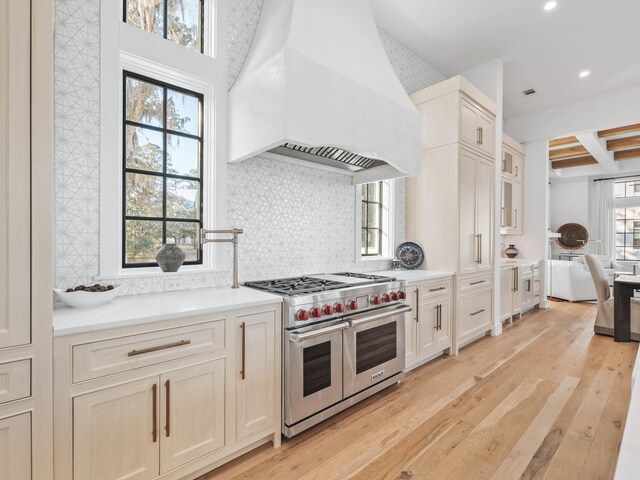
427, 318
518, 168
442, 332
527, 293
15, 447
469, 132
116, 434
506, 215
484, 213
410, 328
469, 245
506, 293
15, 174
487, 126
518, 290
474, 315
255, 378
517, 202
192, 413
507, 163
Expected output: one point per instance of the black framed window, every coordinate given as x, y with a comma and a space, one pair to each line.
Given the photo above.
163, 163
181, 21
372, 208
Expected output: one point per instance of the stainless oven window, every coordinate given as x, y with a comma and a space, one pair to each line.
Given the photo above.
376, 346
316, 368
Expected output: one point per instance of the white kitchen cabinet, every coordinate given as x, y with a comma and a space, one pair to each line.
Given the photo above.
428, 326
191, 413
474, 315
519, 289
116, 432
15, 447
512, 187
450, 205
256, 366
174, 402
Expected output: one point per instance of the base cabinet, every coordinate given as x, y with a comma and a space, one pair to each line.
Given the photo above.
520, 289
15, 447
428, 325
474, 315
186, 413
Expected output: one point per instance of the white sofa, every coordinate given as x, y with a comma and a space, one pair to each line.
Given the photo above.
609, 264
571, 281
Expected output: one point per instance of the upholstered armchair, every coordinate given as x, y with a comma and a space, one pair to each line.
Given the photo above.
604, 317
570, 281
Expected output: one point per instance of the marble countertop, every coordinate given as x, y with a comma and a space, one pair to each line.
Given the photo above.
413, 275
153, 307
507, 262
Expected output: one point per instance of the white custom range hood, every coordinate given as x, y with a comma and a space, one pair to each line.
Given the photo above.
317, 87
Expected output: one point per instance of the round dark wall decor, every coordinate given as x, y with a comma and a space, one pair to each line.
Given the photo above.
573, 236
410, 255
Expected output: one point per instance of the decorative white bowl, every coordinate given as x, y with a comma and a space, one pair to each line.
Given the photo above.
81, 299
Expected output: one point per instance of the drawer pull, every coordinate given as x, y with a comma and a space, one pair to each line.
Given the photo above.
167, 427
478, 312
243, 327
154, 412
437, 289
133, 353
478, 282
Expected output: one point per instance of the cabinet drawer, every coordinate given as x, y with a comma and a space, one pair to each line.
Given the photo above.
526, 269
15, 380
475, 284
434, 289
475, 313
98, 359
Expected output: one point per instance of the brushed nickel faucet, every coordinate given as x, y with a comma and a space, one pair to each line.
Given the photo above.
233, 231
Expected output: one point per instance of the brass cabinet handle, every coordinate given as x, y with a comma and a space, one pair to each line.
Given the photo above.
243, 327
154, 412
167, 427
133, 353
479, 135
478, 312
437, 289
515, 220
528, 285
516, 170
478, 282
439, 317
480, 247
417, 305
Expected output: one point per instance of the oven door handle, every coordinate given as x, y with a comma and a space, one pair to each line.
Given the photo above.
299, 337
379, 316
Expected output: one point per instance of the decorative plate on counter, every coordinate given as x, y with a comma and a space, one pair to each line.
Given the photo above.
410, 255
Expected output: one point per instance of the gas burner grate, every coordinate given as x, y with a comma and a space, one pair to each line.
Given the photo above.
365, 276
296, 285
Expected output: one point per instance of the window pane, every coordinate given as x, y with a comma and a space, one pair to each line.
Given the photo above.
365, 241
185, 235
144, 195
142, 240
183, 112
364, 192
619, 189
147, 15
183, 198
183, 156
144, 149
184, 23
374, 191
374, 242
144, 102
373, 212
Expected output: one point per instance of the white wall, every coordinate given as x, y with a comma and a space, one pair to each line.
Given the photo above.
569, 203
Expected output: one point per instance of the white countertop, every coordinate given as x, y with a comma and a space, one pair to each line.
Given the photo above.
413, 275
507, 262
152, 307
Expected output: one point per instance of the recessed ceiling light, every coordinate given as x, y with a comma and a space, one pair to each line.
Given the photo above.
585, 74
550, 5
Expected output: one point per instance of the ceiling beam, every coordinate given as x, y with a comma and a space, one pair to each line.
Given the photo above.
560, 142
623, 143
612, 132
598, 150
627, 154
574, 162
569, 152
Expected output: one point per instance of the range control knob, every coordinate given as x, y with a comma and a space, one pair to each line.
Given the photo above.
386, 298
327, 310
339, 307
394, 296
402, 295
302, 315
353, 305
375, 300
316, 312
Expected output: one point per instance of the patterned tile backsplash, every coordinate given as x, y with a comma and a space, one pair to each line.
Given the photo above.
297, 220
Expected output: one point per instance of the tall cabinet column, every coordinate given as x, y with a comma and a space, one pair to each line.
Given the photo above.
26, 238
451, 203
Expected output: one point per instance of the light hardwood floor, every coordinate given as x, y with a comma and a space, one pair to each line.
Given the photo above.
547, 399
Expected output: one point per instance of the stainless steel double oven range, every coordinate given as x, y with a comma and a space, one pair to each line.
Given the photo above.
343, 341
